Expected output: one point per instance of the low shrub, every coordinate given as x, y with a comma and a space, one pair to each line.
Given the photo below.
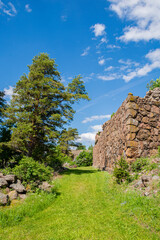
139, 164
84, 159
30, 170
121, 171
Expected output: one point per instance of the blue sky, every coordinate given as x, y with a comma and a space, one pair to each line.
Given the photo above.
113, 44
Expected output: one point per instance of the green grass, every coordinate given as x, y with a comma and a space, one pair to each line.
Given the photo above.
89, 206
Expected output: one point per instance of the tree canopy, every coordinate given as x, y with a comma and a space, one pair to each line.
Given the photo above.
41, 106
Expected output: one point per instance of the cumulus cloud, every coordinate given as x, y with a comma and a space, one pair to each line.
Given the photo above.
99, 29
95, 118
108, 68
85, 52
87, 137
97, 128
8, 9
9, 92
154, 58
28, 8
109, 77
145, 17
101, 61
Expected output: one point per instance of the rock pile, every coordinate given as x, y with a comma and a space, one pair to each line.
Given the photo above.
10, 188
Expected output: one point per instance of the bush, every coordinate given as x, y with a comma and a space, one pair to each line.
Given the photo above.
139, 164
30, 170
121, 171
84, 159
153, 84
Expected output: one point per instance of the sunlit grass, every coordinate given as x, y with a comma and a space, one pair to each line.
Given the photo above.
90, 207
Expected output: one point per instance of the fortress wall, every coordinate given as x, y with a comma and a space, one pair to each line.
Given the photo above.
134, 131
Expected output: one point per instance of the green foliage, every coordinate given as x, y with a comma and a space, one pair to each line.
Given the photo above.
41, 105
90, 147
121, 171
56, 158
112, 114
159, 151
67, 139
139, 164
84, 159
80, 146
153, 84
32, 205
29, 170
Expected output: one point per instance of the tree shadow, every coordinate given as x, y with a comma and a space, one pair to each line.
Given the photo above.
69, 171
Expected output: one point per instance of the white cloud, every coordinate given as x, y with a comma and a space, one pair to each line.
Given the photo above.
109, 77
145, 15
89, 137
154, 58
9, 92
99, 29
28, 8
8, 9
97, 128
95, 118
108, 69
112, 46
85, 52
101, 61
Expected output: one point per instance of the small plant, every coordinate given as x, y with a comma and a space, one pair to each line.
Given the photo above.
84, 159
112, 114
139, 164
30, 170
158, 151
153, 84
121, 171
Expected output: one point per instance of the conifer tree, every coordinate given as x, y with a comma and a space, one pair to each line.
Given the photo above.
40, 107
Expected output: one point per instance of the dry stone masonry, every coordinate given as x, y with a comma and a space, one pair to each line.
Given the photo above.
133, 132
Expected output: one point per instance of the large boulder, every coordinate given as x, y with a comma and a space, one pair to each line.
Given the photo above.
10, 178
3, 182
18, 187
13, 195
4, 199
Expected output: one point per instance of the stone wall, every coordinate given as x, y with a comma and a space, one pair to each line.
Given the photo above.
134, 131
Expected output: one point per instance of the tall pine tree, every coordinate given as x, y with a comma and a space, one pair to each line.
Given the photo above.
41, 105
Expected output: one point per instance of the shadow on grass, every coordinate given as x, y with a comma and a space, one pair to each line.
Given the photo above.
78, 171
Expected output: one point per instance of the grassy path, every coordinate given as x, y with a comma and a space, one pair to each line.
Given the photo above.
88, 208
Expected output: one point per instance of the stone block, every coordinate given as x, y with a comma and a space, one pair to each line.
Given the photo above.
143, 134
131, 105
145, 120
131, 113
155, 109
132, 121
132, 128
131, 136
132, 144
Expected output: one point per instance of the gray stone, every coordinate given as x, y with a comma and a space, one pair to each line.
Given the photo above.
10, 178
1, 175
22, 196
13, 195
18, 187
4, 199
155, 178
45, 186
146, 194
3, 182
138, 184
